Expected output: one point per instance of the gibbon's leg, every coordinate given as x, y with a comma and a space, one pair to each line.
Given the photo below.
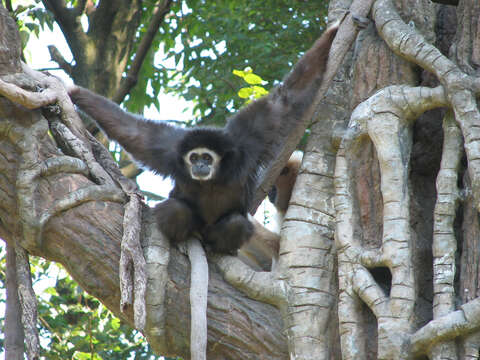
228, 234
176, 220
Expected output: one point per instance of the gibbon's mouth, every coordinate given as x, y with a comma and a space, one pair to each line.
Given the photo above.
201, 175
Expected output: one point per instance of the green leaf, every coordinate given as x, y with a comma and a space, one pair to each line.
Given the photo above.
115, 322
239, 73
79, 355
253, 79
245, 93
259, 91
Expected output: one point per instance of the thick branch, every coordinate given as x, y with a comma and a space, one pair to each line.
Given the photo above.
455, 324
26, 98
369, 291
385, 118
133, 260
444, 240
57, 165
80, 196
257, 285
28, 301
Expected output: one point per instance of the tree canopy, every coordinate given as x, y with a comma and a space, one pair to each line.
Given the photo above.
194, 48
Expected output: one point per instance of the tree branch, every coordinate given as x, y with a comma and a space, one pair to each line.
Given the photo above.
258, 285
444, 245
132, 259
60, 60
62, 14
131, 79
69, 21
56, 165
82, 6
405, 41
156, 248
8, 5
28, 99
14, 336
369, 291
455, 324
385, 117
80, 196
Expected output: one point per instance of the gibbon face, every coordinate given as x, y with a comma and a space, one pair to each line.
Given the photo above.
202, 163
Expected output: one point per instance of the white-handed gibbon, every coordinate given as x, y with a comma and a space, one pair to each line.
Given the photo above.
215, 169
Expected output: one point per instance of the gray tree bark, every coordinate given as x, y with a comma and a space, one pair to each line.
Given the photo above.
378, 255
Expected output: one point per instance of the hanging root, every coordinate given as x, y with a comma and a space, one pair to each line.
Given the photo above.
198, 299
132, 259
28, 302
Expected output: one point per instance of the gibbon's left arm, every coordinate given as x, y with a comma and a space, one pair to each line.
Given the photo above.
261, 127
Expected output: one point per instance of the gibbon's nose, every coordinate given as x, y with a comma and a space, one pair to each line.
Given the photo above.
201, 170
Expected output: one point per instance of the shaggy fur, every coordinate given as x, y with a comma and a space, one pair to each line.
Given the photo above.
216, 208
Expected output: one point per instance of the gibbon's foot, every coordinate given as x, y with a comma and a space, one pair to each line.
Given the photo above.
175, 220
228, 234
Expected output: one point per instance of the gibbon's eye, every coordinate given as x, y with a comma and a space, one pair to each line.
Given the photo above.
194, 157
207, 158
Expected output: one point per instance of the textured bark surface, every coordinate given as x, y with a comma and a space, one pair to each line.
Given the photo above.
86, 240
379, 254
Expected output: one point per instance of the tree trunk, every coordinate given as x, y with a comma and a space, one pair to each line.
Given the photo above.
379, 249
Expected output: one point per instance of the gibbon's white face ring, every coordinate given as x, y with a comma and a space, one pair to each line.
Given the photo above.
201, 151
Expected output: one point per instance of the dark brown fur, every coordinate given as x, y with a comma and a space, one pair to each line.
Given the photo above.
216, 208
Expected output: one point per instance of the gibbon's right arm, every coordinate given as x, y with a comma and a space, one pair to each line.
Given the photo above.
152, 143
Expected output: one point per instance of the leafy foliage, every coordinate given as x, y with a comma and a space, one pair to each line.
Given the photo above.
253, 90
201, 42
31, 19
75, 325
218, 36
